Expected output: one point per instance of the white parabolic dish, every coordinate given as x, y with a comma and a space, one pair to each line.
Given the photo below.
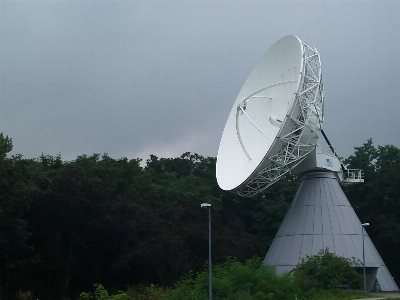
273, 122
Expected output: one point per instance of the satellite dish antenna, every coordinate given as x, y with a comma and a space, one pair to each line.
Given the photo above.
273, 123
273, 128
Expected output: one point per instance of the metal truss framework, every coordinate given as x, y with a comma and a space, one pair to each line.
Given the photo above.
297, 136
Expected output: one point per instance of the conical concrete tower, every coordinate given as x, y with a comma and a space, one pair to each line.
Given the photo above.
321, 216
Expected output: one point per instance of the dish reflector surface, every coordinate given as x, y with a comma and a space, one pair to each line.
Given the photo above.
270, 128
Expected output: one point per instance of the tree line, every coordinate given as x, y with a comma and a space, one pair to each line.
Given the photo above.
65, 225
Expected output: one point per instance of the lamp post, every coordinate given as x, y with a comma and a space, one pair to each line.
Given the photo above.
365, 278
209, 250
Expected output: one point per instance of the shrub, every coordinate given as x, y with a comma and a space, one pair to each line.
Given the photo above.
100, 293
234, 280
327, 271
315, 277
151, 292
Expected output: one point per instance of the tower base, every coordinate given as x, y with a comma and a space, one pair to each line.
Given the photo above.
320, 217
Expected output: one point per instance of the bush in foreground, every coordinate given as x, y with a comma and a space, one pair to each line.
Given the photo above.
232, 280
316, 277
326, 270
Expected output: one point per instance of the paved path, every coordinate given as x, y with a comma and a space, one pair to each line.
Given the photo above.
381, 296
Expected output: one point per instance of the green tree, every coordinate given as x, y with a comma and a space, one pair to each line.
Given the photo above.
364, 158
98, 219
377, 200
17, 187
5, 146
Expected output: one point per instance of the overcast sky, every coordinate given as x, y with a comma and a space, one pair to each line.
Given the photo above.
134, 78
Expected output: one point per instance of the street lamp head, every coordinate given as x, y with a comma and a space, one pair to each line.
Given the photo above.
205, 205
365, 224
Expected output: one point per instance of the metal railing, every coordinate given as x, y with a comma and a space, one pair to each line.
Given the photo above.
353, 176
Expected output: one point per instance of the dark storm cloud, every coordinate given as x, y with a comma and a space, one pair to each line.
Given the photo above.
132, 78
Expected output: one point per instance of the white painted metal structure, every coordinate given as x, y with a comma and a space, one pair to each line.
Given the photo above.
272, 125
273, 128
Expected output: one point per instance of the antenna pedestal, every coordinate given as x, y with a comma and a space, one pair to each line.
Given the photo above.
318, 161
321, 216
